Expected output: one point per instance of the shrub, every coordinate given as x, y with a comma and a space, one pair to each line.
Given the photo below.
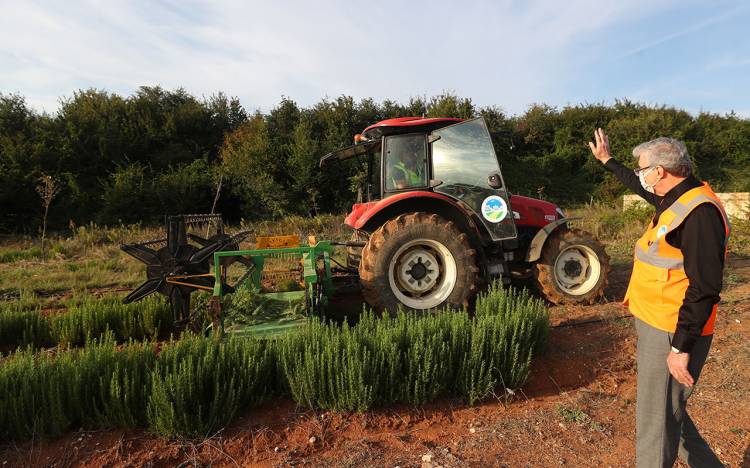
509, 328
42, 395
199, 384
20, 327
92, 318
413, 358
331, 367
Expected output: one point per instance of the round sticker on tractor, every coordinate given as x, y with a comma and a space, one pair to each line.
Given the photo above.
662, 230
494, 209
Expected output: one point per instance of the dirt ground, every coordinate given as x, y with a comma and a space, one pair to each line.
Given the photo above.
578, 409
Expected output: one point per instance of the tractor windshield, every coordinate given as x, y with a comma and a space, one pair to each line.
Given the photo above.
463, 158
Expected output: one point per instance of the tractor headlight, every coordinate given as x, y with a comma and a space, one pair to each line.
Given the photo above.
560, 213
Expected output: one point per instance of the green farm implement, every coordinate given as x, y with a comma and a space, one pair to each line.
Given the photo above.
197, 255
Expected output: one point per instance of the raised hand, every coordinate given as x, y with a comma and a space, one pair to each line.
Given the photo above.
601, 148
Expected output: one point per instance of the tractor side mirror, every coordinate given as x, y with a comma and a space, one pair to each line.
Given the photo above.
495, 181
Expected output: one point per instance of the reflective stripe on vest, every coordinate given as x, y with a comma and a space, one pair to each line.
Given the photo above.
658, 283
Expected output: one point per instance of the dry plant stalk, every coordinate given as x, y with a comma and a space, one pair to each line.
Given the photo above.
47, 188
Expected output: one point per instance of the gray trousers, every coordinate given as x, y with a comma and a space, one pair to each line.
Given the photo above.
663, 427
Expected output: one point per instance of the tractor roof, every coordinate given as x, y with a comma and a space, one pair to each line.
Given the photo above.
375, 132
406, 125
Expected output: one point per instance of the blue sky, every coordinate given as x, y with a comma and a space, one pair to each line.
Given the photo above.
689, 54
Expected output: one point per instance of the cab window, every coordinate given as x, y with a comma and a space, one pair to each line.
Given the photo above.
405, 162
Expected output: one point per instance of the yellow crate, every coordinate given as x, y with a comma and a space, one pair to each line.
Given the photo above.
276, 242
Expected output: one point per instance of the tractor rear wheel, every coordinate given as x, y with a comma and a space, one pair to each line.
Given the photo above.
420, 261
573, 268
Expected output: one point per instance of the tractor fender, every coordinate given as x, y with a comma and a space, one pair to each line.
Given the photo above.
537, 243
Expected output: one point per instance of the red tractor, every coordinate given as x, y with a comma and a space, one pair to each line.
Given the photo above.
436, 221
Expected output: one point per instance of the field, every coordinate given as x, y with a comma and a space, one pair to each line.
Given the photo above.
577, 407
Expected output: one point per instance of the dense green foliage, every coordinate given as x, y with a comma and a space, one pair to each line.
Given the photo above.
43, 395
90, 319
413, 359
196, 385
157, 151
199, 384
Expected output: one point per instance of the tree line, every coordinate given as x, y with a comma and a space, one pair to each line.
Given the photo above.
128, 159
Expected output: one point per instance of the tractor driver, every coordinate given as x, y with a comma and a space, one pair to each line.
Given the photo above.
408, 171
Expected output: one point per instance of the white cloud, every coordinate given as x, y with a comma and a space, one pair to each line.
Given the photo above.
505, 53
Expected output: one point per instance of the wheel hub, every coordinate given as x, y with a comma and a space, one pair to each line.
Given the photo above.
418, 270
573, 268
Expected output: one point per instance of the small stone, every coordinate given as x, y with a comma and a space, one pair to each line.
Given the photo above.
312, 440
737, 320
562, 426
472, 430
277, 449
427, 458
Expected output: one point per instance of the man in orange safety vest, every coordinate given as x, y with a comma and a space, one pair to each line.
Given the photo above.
673, 294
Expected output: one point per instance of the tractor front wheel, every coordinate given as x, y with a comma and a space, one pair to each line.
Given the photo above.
573, 268
420, 261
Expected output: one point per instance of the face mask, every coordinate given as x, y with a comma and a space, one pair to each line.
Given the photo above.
642, 178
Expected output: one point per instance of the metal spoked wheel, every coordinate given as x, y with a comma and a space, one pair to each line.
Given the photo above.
422, 273
577, 270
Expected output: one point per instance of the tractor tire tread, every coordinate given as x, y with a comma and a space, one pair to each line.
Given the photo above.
374, 274
545, 277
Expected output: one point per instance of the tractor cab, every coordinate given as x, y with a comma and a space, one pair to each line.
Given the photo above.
407, 157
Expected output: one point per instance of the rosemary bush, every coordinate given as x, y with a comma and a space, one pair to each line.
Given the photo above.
91, 319
199, 383
19, 327
414, 358
42, 395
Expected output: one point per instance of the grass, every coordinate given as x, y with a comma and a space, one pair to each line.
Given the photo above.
616, 229
575, 414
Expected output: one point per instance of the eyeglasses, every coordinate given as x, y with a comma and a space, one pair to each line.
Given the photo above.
638, 170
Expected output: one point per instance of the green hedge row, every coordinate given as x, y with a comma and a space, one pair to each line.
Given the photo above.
196, 385
412, 359
90, 319
191, 387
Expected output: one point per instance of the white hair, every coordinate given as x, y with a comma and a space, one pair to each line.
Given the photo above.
669, 153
